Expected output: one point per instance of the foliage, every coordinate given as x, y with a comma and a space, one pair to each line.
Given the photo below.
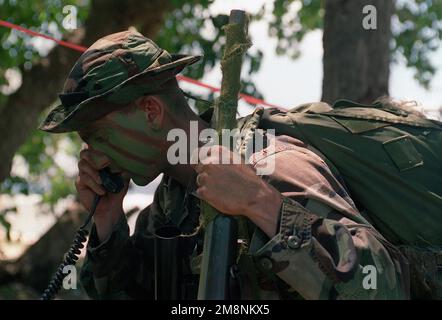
416, 27
417, 31
44, 174
291, 21
44, 16
183, 33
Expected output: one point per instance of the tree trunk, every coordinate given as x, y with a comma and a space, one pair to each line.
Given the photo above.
356, 60
19, 116
35, 267
41, 84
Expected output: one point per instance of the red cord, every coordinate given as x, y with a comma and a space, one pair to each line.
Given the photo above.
245, 97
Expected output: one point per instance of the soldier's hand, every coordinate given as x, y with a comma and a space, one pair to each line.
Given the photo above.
88, 185
235, 189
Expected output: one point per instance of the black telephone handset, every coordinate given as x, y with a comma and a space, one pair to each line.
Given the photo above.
111, 182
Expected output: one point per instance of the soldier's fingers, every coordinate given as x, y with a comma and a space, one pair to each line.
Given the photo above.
85, 167
86, 180
205, 154
201, 179
201, 193
97, 159
86, 155
199, 155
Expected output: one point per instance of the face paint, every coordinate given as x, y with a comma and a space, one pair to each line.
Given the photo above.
131, 144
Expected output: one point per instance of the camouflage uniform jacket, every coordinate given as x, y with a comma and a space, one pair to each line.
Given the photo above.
323, 248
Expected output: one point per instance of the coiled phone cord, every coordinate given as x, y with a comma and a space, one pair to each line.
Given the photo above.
111, 182
71, 256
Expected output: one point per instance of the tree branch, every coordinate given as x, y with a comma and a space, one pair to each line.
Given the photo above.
41, 84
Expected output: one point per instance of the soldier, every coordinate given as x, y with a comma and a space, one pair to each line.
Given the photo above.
307, 237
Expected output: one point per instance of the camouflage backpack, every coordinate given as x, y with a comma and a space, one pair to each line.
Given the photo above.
391, 162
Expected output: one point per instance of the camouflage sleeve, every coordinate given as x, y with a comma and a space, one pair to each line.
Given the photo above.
120, 267
323, 248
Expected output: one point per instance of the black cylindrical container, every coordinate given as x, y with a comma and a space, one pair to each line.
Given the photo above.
168, 263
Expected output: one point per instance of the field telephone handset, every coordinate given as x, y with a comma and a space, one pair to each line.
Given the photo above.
111, 182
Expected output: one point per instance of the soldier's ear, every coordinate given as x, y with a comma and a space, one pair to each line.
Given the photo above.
154, 109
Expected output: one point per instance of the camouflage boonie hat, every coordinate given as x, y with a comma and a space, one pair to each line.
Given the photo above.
112, 72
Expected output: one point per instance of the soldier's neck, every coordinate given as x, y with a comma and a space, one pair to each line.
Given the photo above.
183, 172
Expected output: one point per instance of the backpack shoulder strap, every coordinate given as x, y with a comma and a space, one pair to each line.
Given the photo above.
380, 113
